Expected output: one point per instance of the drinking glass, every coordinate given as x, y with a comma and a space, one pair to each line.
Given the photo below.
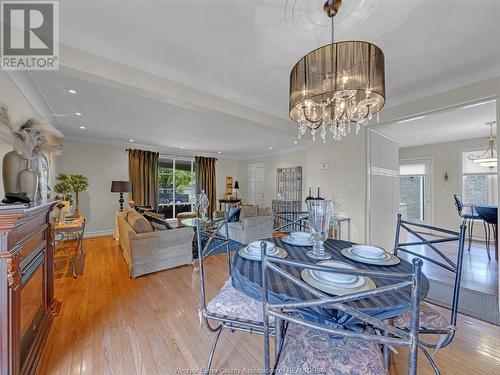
319, 212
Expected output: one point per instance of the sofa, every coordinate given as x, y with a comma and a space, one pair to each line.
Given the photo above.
255, 223
147, 250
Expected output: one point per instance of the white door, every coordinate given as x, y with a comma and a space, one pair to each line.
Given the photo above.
415, 181
383, 189
256, 184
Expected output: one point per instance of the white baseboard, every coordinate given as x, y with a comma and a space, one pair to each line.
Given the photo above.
98, 233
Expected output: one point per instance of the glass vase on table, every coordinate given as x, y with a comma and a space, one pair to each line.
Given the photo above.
202, 203
319, 212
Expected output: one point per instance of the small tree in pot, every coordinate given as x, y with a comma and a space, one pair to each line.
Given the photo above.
68, 183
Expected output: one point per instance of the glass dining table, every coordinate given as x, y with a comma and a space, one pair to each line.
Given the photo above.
247, 277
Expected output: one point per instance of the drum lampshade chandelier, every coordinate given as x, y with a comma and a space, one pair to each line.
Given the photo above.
337, 87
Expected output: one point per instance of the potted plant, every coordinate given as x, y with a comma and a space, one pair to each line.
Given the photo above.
68, 183
79, 184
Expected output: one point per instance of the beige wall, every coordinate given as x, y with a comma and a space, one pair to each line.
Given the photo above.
345, 179
272, 163
445, 157
103, 163
237, 169
19, 107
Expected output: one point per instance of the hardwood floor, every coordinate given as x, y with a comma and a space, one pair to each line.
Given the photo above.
111, 324
478, 273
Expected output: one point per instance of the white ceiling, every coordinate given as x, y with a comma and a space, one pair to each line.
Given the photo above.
242, 51
445, 126
112, 114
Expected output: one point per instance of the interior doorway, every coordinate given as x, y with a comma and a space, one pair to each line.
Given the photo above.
415, 189
256, 184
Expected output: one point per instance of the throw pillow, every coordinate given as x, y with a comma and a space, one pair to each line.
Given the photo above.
233, 215
157, 223
139, 222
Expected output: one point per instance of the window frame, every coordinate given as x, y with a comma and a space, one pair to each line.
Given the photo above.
174, 205
479, 150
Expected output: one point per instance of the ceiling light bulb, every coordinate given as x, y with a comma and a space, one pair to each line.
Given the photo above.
182, 147
270, 147
71, 91
219, 152
82, 127
131, 140
295, 142
78, 113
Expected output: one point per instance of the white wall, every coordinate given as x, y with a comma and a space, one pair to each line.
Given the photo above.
346, 176
102, 164
445, 157
19, 107
272, 163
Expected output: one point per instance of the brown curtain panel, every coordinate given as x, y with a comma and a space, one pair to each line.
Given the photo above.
205, 180
143, 176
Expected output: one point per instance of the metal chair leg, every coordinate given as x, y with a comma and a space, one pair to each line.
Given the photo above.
488, 238
430, 360
471, 230
212, 351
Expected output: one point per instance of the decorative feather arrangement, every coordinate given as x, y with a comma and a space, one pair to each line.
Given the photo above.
30, 137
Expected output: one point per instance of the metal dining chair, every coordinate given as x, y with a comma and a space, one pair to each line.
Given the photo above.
432, 322
229, 309
289, 221
468, 219
322, 348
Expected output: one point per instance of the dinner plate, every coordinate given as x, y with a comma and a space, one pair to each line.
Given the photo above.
255, 246
337, 289
281, 253
389, 260
369, 252
300, 237
333, 277
289, 241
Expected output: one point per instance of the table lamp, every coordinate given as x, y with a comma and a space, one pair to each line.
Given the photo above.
236, 188
121, 187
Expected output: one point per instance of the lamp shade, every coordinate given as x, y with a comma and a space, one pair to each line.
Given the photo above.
121, 187
236, 185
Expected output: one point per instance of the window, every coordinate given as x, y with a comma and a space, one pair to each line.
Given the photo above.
479, 184
175, 186
412, 189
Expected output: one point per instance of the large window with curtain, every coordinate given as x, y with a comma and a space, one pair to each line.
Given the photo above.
479, 184
176, 183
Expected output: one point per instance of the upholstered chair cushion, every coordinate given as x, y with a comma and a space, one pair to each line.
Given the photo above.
430, 318
139, 223
234, 214
248, 211
310, 351
235, 304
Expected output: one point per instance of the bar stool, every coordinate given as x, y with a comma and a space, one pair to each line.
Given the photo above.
468, 220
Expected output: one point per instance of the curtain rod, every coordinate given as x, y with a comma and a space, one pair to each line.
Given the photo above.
166, 154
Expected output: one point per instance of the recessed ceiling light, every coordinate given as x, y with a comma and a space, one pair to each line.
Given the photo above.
82, 127
131, 140
182, 147
270, 147
295, 142
410, 119
78, 113
219, 152
72, 92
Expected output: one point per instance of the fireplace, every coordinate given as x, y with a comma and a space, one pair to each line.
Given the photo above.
32, 299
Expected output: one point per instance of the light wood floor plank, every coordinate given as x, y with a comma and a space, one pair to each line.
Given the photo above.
111, 324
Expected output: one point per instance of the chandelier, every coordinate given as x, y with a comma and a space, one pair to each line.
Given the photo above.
489, 157
339, 86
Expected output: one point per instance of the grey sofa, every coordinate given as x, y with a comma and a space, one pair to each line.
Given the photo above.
256, 223
154, 251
